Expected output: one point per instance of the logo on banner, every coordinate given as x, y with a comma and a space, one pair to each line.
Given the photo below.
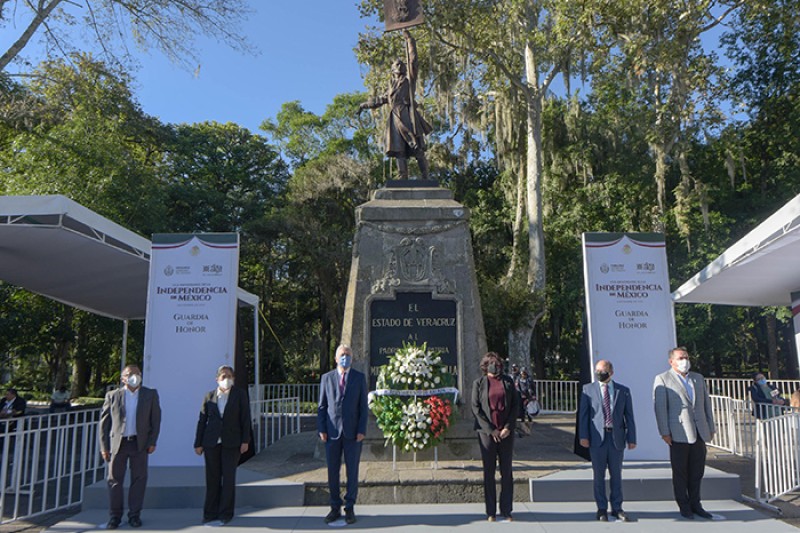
195, 251
645, 267
168, 271
626, 249
213, 270
604, 268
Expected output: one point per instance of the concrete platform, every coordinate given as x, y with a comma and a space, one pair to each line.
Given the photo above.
641, 481
184, 487
650, 517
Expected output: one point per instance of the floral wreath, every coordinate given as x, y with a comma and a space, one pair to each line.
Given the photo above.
413, 403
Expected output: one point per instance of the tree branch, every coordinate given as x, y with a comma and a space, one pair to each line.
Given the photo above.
42, 12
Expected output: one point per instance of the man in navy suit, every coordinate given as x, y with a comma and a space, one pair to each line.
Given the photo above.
342, 425
605, 425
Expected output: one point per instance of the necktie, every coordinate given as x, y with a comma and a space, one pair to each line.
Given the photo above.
606, 407
341, 384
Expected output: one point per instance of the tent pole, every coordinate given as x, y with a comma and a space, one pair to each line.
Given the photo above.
256, 353
124, 358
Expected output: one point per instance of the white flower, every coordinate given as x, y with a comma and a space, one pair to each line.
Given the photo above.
437, 379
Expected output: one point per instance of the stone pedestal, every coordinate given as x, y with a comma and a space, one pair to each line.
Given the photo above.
412, 279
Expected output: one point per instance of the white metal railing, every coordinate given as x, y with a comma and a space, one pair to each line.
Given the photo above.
555, 397
739, 389
306, 393
274, 419
777, 456
47, 460
735, 425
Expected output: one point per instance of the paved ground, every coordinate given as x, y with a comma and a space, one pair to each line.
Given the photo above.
651, 517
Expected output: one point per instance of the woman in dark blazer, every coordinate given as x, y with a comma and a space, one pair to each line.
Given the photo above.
223, 435
495, 404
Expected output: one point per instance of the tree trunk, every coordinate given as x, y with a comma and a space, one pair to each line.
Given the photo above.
519, 346
80, 374
518, 229
536, 262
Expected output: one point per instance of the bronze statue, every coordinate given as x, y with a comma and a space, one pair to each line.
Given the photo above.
405, 129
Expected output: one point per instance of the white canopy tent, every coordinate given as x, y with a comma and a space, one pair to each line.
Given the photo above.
58, 248
761, 269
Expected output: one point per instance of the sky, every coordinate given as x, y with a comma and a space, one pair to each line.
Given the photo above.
304, 52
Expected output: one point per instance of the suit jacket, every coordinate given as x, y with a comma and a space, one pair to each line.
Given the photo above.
342, 414
675, 414
757, 395
591, 420
18, 405
233, 427
113, 416
482, 411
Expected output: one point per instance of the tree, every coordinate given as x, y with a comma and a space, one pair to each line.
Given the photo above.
170, 26
334, 166
91, 142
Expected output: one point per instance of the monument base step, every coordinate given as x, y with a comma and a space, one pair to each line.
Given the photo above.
641, 481
180, 487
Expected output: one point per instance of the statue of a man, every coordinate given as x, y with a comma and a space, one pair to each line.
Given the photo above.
405, 129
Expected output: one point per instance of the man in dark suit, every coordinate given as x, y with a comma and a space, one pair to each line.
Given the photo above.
685, 422
223, 435
12, 405
342, 425
605, 426
129, 425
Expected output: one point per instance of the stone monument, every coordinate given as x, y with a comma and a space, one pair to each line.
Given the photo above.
412, 277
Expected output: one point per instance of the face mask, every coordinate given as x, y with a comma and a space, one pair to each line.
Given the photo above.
492, 369
134, 380
762, 382
225, 383
602, 376
345, 361
683, 366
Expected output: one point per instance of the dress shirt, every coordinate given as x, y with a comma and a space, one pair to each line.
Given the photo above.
131, 403
688, 384
222, 400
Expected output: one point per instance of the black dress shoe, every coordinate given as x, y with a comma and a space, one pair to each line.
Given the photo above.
333, 516
702, 513
113, 522
135, 521
687, 515
620, 515
602, 515
349, 516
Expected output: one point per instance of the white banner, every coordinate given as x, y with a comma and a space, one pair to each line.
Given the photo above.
190, 331
631, 321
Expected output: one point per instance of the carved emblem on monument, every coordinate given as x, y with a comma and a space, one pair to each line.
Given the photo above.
413, 263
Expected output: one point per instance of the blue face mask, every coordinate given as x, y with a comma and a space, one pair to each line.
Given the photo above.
762, 382
345, 361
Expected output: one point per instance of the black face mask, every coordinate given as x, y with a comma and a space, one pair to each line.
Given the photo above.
492, 369
602, 376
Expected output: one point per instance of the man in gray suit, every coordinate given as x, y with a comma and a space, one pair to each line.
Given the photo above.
129, 425
606, 427
685, 422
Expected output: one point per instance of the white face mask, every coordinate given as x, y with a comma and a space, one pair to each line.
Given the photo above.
683, 365
134, 380
225, 383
